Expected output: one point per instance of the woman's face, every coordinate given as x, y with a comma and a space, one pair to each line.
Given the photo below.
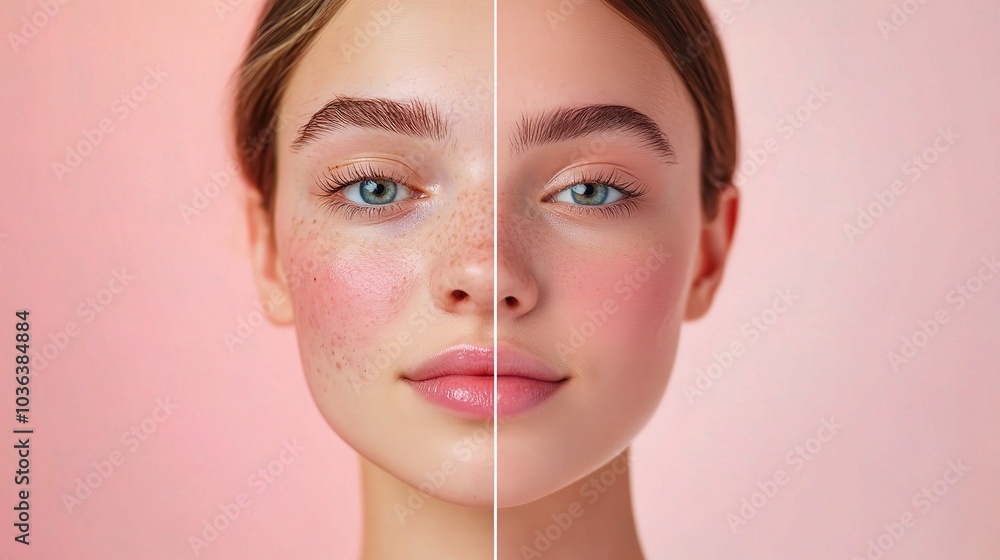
384, 234
594, 279
383, 237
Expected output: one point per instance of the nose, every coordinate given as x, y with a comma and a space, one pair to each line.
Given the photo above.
462, 280
466, 288
517, 288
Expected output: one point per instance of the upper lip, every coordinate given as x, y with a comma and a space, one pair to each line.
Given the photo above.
467, 359
514, 363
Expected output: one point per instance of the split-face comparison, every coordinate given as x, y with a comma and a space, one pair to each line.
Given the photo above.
419, 196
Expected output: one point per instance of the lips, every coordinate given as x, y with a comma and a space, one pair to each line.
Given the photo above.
465, 360
460, 379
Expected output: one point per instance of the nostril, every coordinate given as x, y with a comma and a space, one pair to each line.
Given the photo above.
459, 295
511, 302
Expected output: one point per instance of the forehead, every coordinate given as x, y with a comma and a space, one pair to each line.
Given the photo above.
563, 53
440, 51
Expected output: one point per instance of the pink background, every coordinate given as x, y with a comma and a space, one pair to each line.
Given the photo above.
162, 336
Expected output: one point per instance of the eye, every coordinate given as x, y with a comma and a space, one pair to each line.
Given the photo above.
608, 194
376, 192
365, 191
589, 194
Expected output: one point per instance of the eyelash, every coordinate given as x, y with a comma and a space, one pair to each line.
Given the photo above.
332, 182
623, 208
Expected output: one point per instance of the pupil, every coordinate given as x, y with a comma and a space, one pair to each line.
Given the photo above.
590, 193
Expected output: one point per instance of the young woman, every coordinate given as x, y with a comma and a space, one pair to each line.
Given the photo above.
366, 130
616, 150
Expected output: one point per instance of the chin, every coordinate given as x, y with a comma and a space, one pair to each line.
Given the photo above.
468, 484
472, 488
530, 469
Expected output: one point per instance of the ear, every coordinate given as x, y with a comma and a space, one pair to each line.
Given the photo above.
272, 287
713, 248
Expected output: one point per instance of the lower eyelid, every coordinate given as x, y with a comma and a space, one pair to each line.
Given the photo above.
619, 209
351, 209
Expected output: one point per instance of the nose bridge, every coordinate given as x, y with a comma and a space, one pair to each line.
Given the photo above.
510, 242
517, 288
468, 235
463, 248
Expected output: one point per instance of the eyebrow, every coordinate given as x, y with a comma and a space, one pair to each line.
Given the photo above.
575, 122
412, 117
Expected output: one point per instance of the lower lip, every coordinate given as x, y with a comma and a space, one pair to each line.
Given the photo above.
472, 395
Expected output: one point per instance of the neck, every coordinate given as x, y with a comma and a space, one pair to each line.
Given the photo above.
400, 522
589, 519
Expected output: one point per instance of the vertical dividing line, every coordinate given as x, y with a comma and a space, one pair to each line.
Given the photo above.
496, 295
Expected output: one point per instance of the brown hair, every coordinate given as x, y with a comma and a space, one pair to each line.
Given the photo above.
284, 32
684, 32
681, 28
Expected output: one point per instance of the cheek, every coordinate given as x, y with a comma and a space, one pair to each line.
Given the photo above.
347, 299
638, 291
624, 309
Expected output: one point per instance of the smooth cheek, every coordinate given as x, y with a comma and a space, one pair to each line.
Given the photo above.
622, 309
347, 304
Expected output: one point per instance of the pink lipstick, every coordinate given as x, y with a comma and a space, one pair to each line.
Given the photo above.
460, 379
523, 382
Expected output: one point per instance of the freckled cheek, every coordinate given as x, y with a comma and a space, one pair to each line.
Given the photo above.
348, 301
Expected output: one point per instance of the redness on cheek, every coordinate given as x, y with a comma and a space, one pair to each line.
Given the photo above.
633, 296
348, 302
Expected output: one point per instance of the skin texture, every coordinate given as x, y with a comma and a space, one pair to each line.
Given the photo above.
373, 296
598, 298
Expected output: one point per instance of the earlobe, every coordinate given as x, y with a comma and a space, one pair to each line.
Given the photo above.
715, 240
272, 286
